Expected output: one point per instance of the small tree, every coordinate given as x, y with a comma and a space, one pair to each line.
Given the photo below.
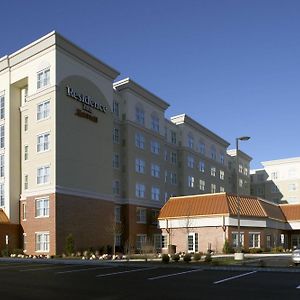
227, 249
69, 248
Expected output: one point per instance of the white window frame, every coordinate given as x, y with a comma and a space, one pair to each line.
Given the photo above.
155, 193
222, 175
201, 166
42, 207
140, 240
155, 170
2, 194
140, 190
155, 122
234, 237
139, 140
141, 215
155, 147
2, 106
193, 242
139, 115
26, 119
201, 185
43, 142
2, 136
173, 178
213, 171
43, 110
140, 165
43, 245
253, 242
116, 187
191, 181
44, 176
2, 165
116, 135
213, 188
116, 161
190, 161
43, 78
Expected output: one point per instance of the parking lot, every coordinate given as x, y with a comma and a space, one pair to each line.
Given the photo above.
30, 280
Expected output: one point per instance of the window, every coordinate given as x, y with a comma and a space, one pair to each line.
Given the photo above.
25, 182
222, 158
202, 166
173, 177
201, 185
154, 122
166, 176
268, 241
141, 215
222, 189
292, 187
246, 171
213, 171
139, 141
118, 214
116, 108
26, 152
2, 136
154, 216
155, 170
234, 236
240, 182
157, 241
155, 194
118, 238
213, 188
274, 175
166, 197
116, 135
141, 240
193, 244
155, 147
42, 207
43, 110
116, 161
164, 241
254, 240
42, 242
43, 78
191, 181
173, 137
140, 190
2, 165
43, 175
173, 157
25, 123
190, 141
190, 161
139, 165
201, 147
240, 168
2, 107
1, 194
274, 189
213, 152
260, 190
43, 142
222, 174
116, 187
139, 115
23, 211
24, 242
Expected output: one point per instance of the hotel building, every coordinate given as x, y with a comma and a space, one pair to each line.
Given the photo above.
84, 154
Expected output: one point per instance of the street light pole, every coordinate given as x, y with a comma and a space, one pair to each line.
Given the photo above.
239, 255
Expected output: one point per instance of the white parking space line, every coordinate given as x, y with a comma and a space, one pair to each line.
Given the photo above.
82, 270
298, 287
18, 266
123, 272
174, 274
47, 268
234, 277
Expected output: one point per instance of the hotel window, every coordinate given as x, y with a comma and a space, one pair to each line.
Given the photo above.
274, 175
213, 188
193, 243
166, 176
118, 214
155, 194
190, 141
116, 161
140, 190
1, 194
43, 78
292, 187
23, 211
139, 115
274, 189
190, 161
173, 157
116, 187
201, 147
202, 166
155, 147
240, 168
173, 177
222, 158
222, 174
234, 237
173, 137
25, 182
246, 171
213, 152
240, 182
42, 241
141, 240
141, 215
213, 171
268, 241
43, 110
157, 241
2, 165
154, 216
139, 165
26, 152
155, 170
201, 185
154, 122
43, 175
254, 240
222, 189
116, 108
118, 237
164, 241
43, 142
139, 141
2, 136
42, 207
2, 107
191, 181
25, 123
116, 135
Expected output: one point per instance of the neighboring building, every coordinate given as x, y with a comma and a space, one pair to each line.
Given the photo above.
203, 222
278, 181
83, 154
243, 172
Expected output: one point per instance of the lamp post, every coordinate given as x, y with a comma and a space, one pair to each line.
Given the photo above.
239, 255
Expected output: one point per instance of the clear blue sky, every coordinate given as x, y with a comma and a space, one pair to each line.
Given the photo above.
232, 65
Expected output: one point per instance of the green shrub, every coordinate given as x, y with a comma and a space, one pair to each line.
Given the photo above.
69, 248
176, 257
5, 252
277, 249
187, 257
197, 256
227, 249
165, 258
255, 250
